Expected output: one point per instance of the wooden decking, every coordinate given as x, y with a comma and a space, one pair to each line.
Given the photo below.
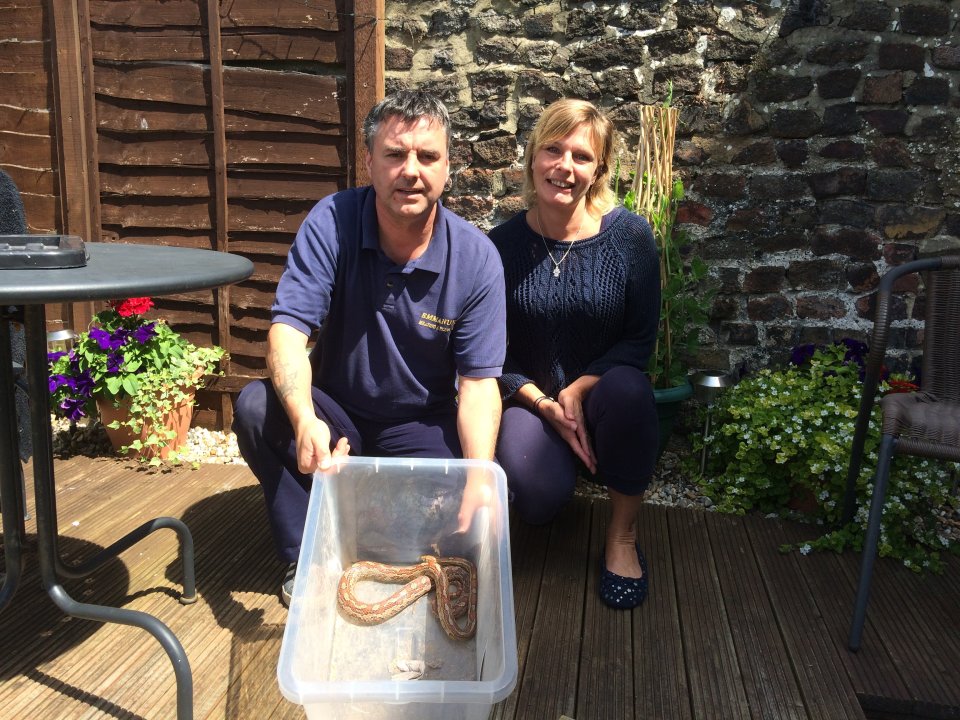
732, 628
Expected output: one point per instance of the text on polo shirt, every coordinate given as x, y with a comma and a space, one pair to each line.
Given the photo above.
434, 322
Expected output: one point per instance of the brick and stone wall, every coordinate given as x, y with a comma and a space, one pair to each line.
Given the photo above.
819, 140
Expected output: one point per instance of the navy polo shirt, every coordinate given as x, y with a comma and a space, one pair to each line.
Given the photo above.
393, 337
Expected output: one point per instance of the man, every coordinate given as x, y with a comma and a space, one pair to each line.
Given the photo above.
409, 303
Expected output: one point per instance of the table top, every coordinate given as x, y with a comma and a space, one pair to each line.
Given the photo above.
120, 271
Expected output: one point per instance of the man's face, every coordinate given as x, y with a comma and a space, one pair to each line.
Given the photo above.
408, 167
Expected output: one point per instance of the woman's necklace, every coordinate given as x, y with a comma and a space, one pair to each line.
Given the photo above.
557, 264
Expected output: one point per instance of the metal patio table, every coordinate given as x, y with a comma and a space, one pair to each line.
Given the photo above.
112, 271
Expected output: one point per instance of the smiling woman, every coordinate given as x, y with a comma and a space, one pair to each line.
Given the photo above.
583, 302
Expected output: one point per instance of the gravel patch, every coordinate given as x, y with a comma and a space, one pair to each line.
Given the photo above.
89, 439
669, 486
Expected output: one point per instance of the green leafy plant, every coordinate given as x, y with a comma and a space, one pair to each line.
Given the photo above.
684, 303
124, 358
656, 195
783, 435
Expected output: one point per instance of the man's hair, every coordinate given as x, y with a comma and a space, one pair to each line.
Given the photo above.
409, 106
559, 120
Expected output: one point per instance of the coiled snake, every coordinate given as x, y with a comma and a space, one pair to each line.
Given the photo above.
454, 578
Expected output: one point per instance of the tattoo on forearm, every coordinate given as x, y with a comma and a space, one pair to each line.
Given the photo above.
284, 377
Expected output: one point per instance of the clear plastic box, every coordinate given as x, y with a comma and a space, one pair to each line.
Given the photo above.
394, 510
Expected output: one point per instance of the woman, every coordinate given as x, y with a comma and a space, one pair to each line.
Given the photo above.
583, 302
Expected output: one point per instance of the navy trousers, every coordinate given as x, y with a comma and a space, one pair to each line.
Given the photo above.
541, 469
266, 442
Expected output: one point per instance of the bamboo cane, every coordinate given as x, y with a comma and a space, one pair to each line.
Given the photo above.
653, 188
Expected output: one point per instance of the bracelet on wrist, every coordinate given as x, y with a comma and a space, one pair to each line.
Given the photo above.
542, 398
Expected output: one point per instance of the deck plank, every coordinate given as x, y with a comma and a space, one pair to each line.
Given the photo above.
528, 549
660, 676
549, 680
732, 627
716, 684
819, 671
605, 684
872, 671
769, 682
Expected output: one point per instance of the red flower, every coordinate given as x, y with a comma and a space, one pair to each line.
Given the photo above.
131, 306
901, 386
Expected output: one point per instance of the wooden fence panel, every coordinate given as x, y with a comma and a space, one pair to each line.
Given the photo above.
203, 123
28, 153
280, 134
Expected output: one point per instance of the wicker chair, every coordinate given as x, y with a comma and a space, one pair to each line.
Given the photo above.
924, 423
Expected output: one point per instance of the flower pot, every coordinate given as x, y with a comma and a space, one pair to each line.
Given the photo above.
178, 420
668, 402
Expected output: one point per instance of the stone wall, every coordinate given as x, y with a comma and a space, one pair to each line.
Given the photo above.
819, 140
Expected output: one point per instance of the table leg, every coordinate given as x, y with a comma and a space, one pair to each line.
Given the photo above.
11, 474
49, 556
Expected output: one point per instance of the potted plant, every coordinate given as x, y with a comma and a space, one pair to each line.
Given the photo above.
138, 374
684, 308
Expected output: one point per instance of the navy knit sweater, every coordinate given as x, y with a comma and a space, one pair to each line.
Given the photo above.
603, 310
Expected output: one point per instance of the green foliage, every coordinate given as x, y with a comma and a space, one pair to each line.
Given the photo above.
124, 357
783, 434
684, 304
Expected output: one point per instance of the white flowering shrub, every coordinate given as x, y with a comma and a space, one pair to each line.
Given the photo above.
786, 434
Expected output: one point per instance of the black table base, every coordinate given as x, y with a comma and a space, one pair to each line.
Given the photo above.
52, 567
113, 270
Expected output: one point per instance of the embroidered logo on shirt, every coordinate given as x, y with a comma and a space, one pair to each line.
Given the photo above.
433, 322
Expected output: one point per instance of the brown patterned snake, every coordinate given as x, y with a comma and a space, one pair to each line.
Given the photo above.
454, 578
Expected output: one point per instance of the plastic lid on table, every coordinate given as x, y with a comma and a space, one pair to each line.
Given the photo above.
23, 252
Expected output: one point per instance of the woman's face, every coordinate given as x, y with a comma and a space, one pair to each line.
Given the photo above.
565, 168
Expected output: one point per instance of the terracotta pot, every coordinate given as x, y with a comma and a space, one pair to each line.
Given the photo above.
178, 420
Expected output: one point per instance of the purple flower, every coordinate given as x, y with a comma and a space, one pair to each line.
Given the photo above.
145, 333
801, 354
82, 384
114, 362
101, 337
54, 356
73, 408
55, 381
856, 351
118, 338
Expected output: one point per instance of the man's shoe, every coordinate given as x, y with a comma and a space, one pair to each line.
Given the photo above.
286, 589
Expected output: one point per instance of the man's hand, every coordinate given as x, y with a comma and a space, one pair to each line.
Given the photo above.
478, 420
313, 446
291, 375
477, 493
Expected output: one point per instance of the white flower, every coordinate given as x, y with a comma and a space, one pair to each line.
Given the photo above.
805, 549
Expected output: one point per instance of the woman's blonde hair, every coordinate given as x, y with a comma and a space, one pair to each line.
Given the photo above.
559, 120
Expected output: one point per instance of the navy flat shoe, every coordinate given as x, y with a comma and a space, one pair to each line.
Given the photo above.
620, 592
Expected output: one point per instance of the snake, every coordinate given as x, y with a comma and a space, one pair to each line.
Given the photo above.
453, 578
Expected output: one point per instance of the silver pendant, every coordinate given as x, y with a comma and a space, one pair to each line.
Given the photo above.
556, 272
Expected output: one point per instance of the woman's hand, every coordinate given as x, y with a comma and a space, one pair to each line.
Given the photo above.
570, 400
565, 414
